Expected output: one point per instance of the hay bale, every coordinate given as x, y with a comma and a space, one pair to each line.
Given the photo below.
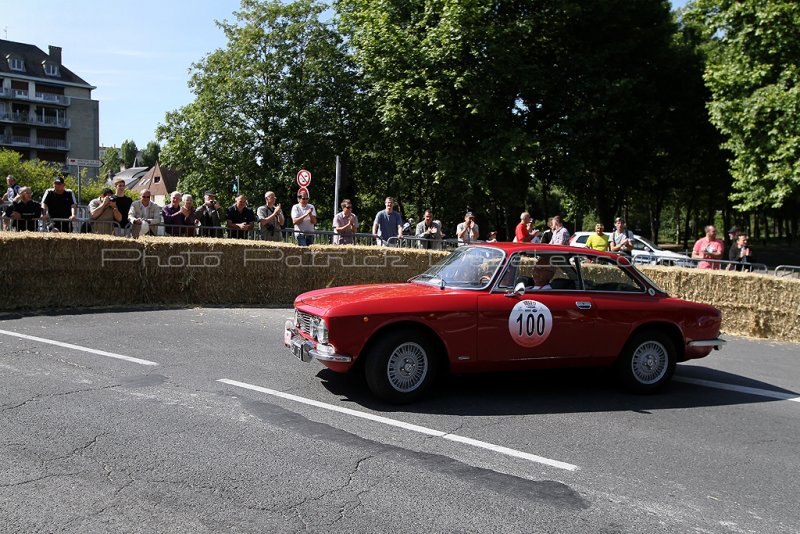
77, 270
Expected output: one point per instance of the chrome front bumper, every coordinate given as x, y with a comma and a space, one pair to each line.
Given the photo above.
715, 343
305, 350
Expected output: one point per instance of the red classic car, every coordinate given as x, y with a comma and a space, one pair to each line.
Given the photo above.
503, 306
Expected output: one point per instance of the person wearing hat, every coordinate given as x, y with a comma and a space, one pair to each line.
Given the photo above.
59, 203
492, 237
210, 214
270, 218
467, 232
598, 240
104, 213
144, 215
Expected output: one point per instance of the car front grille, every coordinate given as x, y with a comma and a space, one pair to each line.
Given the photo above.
305, 322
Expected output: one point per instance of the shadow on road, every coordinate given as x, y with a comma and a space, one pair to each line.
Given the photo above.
554, 391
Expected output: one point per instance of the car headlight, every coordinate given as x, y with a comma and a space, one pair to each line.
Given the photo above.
322, 331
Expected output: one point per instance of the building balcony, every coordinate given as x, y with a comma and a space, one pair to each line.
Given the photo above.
52, 99
34, 120
26, 142
24, 94
57, 144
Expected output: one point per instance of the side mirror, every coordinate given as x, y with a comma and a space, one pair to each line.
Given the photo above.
519, 290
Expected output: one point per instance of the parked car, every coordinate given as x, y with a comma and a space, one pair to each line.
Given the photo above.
503, 306
644, 251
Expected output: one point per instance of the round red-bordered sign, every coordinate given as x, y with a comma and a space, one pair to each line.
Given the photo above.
304, 190
303, 178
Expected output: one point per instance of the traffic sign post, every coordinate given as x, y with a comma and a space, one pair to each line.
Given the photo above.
303, 178
94, 163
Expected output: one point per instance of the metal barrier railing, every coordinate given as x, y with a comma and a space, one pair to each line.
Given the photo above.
787, 271
758, 268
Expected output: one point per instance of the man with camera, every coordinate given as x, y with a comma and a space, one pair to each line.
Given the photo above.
467, 232
104, 213
708, 248
741, 252
210, 215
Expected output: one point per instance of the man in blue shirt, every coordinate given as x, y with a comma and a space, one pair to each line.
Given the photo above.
388, 224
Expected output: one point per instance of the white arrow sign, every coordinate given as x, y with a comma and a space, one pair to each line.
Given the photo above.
85, 162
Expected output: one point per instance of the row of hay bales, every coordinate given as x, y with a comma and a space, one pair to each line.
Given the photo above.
74, 270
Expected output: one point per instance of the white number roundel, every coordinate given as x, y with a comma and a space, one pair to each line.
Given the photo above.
530, 323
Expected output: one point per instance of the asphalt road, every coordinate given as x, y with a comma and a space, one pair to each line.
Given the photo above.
90, 442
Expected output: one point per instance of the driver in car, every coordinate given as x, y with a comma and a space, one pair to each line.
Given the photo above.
542, 274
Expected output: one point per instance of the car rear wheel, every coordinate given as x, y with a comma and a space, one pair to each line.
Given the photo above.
647, 362
401, 367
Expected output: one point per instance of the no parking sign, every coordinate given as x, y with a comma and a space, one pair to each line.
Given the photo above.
303, 178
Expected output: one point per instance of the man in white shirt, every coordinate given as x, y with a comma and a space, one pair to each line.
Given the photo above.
304, 218
143, 215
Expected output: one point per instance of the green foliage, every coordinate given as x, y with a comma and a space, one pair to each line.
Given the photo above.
111, 163
753, 72
277, 99
38, 175
128, 153
150, 154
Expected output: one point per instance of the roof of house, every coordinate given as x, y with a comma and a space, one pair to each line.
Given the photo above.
34, 57
131, 176
158, 180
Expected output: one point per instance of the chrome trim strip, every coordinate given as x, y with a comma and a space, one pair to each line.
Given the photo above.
329, 357
716, 343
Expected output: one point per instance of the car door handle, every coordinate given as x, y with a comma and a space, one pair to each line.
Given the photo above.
584, 305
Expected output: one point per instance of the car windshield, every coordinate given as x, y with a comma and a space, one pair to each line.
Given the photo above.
467, 267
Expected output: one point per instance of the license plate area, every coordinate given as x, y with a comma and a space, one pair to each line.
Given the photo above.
301, 348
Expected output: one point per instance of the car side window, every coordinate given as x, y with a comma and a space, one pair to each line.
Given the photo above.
604, 274
540, 272
638, 245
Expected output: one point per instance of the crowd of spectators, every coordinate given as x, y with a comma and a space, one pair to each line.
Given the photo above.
115, 213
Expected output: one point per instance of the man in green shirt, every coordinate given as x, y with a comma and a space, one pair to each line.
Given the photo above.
598, 240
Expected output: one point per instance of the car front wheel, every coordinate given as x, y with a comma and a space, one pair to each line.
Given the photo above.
647, 362
401, 367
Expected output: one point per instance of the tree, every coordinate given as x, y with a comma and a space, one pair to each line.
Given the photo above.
128, 151
150, 154
753, 72
278, 98
111, 163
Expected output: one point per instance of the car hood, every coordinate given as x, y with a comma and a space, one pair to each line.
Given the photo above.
326, 299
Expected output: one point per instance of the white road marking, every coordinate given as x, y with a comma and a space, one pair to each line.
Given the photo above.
741, 389
407, 426
78, 347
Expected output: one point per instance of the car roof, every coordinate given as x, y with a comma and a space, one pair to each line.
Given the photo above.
510, 248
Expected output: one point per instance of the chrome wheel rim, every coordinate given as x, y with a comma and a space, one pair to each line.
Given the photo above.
408, 367
649, 362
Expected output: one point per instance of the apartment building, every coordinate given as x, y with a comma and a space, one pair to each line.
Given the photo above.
46, 110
